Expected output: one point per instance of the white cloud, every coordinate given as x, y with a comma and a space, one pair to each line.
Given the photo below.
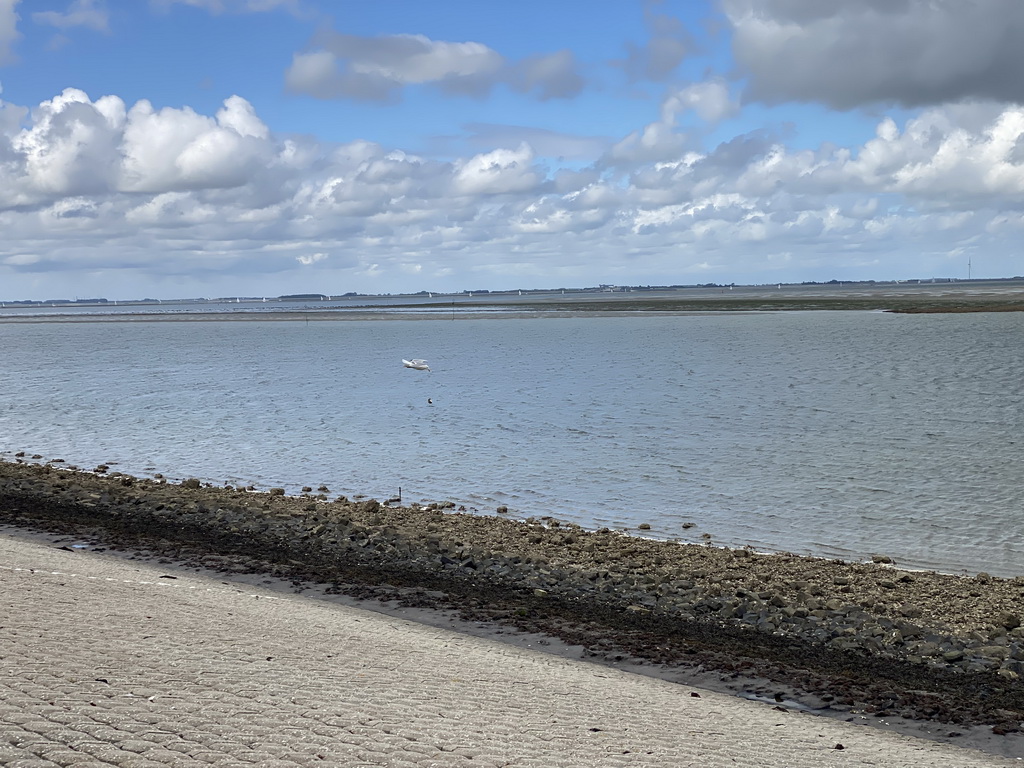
76, 146
233, 6
585, 209
543, 142
342, 66
939, 160
655, 142
8, 30
169, 210
11, 117
662, 140
177, 148
363, 68
238, 115
97, 184
67, 150
22, 259
710, 100
81, 13
498, 172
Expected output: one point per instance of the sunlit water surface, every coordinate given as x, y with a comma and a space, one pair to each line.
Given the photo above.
839, 434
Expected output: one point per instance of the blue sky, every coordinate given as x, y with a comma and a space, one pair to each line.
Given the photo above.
172, 148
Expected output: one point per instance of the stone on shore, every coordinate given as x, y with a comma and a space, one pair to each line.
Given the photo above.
766, 603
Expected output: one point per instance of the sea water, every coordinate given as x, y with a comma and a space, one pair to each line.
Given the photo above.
838, 434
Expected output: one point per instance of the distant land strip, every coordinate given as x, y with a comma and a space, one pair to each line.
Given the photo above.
909, 302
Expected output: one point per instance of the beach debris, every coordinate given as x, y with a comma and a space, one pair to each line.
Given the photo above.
416, 364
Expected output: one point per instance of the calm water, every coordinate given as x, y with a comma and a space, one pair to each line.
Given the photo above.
831, 433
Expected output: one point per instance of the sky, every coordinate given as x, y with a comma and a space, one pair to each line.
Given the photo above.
209, 148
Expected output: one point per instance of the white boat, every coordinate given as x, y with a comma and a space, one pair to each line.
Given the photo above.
417, 364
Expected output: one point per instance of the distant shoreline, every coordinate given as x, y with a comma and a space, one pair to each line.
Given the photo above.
917, 299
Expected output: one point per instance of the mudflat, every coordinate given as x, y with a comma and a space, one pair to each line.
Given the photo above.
901, 297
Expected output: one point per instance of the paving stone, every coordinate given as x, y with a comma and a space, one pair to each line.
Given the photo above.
187, 683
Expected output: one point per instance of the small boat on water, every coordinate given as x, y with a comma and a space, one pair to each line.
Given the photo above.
417, 364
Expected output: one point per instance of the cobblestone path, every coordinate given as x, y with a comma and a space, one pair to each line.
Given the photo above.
106, 662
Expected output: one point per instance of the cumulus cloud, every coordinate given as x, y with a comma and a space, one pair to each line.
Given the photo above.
374, 69
544, 142
498, 172
663, 140
710, 100
936, 159
8, 30
849, 53
656, 142
67, 150
90, 185
81, 13
11, 117
379, 68
75, 146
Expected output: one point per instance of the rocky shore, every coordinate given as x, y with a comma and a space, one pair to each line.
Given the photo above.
861, 637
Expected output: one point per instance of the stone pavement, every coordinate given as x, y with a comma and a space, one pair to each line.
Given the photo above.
105, 661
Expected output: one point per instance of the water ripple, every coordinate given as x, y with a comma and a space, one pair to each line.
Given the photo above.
838, 434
